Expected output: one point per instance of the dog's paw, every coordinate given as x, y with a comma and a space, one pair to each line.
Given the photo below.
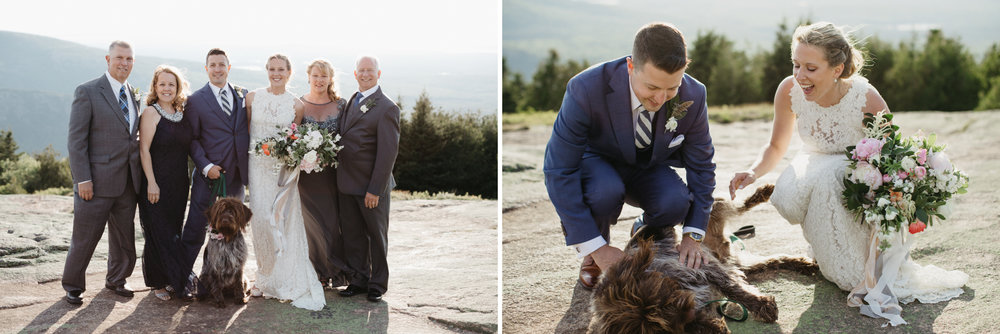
766, 310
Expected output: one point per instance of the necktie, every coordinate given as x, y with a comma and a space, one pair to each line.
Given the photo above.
643, 132
123, 104
357, 101
223, 93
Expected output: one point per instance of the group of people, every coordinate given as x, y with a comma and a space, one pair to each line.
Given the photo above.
311, 231
625, 124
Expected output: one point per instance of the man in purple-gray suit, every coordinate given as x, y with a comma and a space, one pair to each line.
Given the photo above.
370, 135
220, 146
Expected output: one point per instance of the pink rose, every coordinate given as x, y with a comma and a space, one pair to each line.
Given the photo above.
920, 172
902, 175
939, 161
294, 126
886, 178
917, 227
922, 156
867, 148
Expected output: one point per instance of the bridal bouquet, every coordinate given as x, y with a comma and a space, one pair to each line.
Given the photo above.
895, 183
306, 147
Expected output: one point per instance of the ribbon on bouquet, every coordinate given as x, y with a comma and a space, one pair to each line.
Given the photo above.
875, 295
281, 208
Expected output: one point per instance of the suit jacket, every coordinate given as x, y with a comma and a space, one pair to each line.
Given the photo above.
101, 146
596, 118
218, 138
371, 142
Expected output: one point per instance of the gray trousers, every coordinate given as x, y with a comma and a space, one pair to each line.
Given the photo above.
89, 219
365, 241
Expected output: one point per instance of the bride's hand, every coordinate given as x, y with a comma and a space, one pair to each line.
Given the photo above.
740, 181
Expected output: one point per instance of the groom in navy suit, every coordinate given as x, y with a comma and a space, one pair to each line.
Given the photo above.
622, 126
220, 146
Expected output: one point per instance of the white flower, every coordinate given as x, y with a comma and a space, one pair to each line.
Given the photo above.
908, 164
309, 162
939, 161
882, 201
672, 124
313, 139
890, 213
364, 108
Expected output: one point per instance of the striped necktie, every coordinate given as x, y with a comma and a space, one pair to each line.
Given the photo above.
643, 129
223, 93
123, 104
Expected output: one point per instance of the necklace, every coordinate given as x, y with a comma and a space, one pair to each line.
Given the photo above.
175, 117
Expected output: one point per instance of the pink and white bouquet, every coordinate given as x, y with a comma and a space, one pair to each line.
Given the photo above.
306, 147
897, 183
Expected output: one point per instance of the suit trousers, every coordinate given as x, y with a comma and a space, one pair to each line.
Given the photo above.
89, 219
365, 241
193, 235
656, 189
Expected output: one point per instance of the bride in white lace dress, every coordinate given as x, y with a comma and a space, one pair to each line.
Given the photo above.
826, 102
279, 239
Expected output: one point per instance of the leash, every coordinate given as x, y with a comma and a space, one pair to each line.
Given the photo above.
219, 186
722, 303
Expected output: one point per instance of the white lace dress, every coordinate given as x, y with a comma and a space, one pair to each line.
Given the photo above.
279, 239
809, 193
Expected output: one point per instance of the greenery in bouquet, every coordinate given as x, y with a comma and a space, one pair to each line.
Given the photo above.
894, 182
307, 147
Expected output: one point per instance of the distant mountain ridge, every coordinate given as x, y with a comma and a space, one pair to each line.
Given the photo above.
39, 74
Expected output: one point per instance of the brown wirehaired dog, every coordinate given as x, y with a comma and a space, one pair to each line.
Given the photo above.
650, 291
226, 252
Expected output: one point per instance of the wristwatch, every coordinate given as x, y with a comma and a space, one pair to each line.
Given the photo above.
697, 237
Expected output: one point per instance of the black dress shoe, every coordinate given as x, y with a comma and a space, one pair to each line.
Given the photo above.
374, 296
73, 297
120, 290
352, 290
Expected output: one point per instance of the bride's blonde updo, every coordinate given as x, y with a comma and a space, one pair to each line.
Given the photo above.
837, 45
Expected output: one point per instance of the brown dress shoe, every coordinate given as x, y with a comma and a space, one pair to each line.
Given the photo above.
589, 273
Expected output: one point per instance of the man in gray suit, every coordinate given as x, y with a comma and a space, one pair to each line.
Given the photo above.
104, 159
370, 135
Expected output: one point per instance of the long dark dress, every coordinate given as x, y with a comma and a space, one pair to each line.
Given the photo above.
163, 256
318, 193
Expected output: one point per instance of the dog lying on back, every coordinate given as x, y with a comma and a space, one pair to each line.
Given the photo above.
650, 291
226, 252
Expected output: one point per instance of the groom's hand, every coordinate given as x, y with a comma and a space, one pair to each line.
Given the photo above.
606, 256
213, 173
371, 201
690, 253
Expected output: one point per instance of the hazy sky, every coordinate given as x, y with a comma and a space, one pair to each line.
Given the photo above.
349, 27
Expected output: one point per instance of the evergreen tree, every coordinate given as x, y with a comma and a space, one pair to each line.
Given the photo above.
52, 172
989, 98
8, 148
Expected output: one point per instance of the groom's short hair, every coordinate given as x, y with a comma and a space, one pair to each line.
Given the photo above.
216, 51
663, 45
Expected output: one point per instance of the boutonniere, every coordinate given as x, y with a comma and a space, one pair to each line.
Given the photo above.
239, 91
368, 105
135, 93
677, 111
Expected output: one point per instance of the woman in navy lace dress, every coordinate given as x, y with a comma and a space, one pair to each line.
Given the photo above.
318, 190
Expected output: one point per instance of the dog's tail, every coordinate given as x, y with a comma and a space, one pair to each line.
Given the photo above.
762, 194
798, 264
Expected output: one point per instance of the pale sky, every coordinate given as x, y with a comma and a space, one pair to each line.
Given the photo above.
348, 27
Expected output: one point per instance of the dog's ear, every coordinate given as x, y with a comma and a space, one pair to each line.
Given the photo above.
213, 213
247, 214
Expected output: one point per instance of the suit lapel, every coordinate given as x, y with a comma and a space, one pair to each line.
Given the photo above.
239, 112
138, 112
112, 99
213, 105
619, 111
355, 113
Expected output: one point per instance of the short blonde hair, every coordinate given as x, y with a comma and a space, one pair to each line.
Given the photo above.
837, 46
182, 87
